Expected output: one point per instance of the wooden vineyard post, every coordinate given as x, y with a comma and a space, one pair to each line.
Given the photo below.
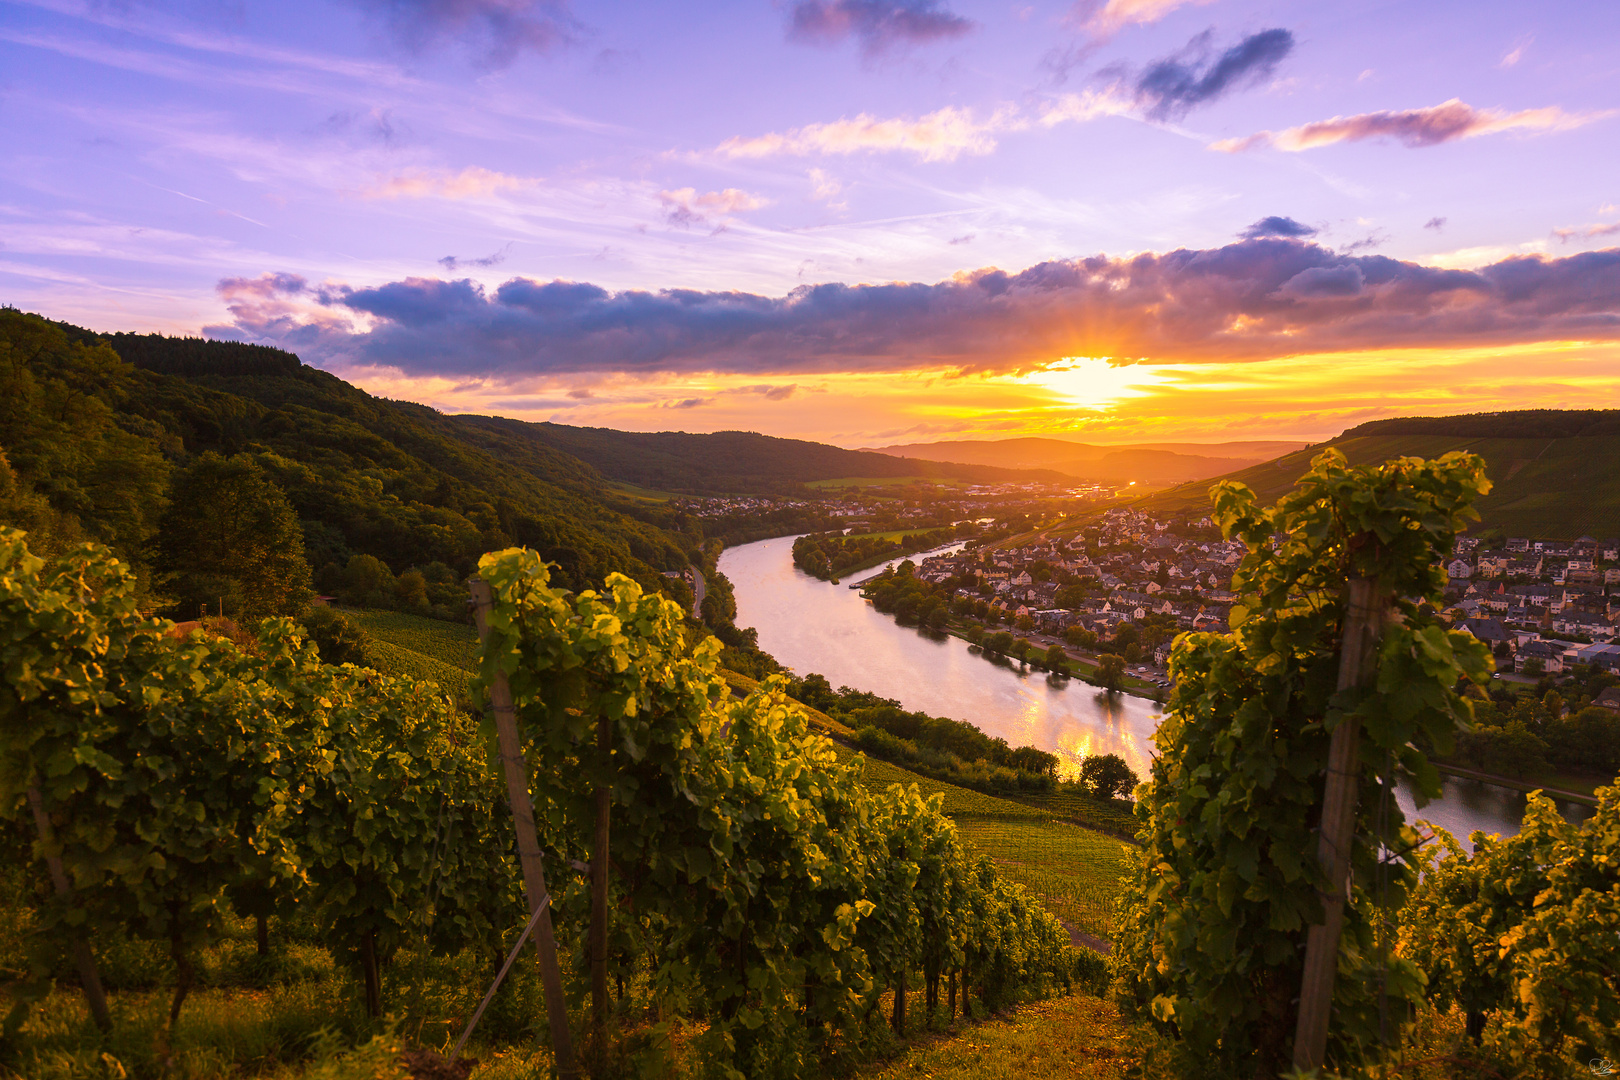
1363, 622
89, 978
534, 877
599, 895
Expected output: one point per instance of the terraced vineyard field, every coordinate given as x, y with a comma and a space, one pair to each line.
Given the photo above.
1115, 817
454, 644
391, 659
430, 649
1075, 871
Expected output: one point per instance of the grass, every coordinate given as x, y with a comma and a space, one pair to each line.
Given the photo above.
1076, 1036
892, 534
1088, 1039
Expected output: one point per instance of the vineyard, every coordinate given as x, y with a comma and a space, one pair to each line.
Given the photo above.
182, 795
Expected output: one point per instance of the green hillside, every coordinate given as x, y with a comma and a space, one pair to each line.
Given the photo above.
1554, 472
726, 462
94, 430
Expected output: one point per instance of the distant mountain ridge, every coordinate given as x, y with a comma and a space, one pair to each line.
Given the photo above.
1554, 472
1152, 463
724, 462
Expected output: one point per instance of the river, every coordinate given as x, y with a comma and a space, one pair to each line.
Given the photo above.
810, 625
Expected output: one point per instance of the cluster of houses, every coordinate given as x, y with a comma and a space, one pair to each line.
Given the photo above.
1542, 605
1556, 602
1134, 565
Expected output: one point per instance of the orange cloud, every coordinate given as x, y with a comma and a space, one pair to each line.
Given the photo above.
1446, 122
1118, 14
942, 135
684, 206
470, 183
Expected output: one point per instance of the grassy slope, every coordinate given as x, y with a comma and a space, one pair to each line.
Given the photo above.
1544, 487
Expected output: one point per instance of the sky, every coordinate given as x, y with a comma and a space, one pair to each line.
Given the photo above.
862, 222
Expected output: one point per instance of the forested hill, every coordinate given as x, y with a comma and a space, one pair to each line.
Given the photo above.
726, 462
1553, 470
1151, 463
97, 433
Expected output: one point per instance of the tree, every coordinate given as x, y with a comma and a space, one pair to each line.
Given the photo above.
1057, 660
1106, 776
337, 638
1111, 672
1071, 595
1080, 637
231, 536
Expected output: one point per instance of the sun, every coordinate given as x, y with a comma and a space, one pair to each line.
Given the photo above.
1095, 383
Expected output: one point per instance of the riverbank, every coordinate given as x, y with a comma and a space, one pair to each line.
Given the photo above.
1585, 798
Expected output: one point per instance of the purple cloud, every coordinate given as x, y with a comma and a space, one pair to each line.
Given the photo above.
494, 31
1277, 226
879, 25
1167, 89
1255, 299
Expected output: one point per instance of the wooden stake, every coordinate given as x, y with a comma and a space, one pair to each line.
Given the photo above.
534, 877
599, 895
1364, 619
83, 958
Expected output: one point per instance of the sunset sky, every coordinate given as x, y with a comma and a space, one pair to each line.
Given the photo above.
857, 221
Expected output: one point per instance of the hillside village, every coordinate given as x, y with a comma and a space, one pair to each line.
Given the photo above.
1542, 605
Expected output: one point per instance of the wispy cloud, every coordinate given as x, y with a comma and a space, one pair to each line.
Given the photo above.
1588, 232
685, 206
470, 183
1446, 122
494, 32
1514, 56
879, 25
943, 135
1106, 19
451, 263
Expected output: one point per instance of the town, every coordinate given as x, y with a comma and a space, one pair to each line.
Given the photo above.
1136, 581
